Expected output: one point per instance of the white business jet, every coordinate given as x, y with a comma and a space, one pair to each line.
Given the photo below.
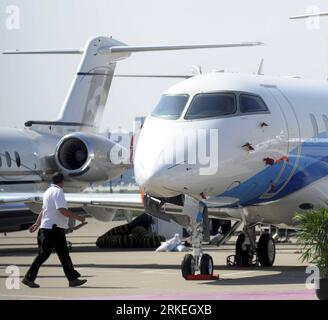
71, 144
246, 147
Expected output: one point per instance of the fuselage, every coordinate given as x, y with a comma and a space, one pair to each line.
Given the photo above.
23, 165
271, 156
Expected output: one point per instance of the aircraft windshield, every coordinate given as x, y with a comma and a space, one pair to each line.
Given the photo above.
170, 106
208, 105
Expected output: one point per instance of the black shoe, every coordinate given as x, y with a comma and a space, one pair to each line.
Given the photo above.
30, 283
77, 283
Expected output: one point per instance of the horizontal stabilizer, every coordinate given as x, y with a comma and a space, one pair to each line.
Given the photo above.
316, 14
131, 49
64, 51
164, 76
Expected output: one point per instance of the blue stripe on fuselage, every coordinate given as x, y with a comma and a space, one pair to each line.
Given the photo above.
312, 165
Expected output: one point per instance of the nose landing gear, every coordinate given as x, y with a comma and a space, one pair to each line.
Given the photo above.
197, 262
189, 266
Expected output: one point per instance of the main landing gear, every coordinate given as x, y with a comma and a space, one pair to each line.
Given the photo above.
249, 254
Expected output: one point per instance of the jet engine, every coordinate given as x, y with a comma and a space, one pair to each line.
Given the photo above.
90, 158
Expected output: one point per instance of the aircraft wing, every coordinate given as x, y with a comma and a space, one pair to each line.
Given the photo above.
130, 201
124, 201
103, 205
20, 197
108, 200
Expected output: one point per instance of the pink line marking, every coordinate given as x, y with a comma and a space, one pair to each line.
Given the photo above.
257, 295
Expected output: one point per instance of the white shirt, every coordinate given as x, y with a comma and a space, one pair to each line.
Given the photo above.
53, 199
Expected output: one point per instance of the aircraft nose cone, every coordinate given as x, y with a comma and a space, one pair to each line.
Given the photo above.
151, 172
146, 164
155, 181
167, 162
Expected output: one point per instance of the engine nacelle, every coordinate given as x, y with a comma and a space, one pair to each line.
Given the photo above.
90, 158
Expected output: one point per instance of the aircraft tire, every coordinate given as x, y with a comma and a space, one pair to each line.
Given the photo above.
206, 264
243, 258
266, 250
188, 265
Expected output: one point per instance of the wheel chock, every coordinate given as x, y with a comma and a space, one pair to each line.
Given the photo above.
203, 277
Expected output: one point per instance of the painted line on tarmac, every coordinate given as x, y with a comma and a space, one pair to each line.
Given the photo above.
160, 271
242, 272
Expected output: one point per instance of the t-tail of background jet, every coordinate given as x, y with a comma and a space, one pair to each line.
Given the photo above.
83, 107
87, 97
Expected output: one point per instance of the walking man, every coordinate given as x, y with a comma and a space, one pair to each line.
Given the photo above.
53, 220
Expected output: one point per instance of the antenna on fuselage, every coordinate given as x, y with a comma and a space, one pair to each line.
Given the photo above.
260, 69
196, 70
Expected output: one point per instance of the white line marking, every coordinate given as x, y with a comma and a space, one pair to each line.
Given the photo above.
157, 271
241, 272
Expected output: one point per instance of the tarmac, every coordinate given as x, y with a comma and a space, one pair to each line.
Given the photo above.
144, 274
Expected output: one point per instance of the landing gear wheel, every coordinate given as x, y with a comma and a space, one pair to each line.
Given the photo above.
266, 250
188, 266
243, 258
206, 265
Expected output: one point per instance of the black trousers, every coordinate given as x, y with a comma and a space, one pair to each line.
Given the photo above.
49, 239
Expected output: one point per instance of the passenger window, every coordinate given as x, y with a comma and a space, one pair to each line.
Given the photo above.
0, 161
18, 160
170, 106
210, 105
314, 125
325, 121
8, 159
249, 104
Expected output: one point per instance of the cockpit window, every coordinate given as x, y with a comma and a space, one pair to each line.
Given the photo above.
209, 105
249, 103
170, 106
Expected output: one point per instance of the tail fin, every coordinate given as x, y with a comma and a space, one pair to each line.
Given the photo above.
86, 99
